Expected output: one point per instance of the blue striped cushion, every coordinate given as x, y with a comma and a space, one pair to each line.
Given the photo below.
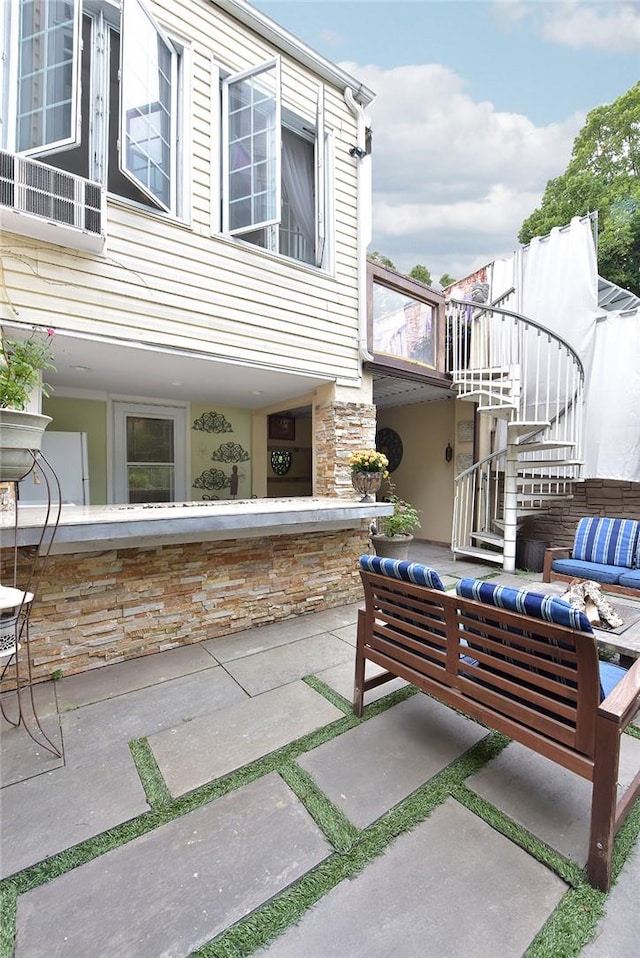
401, 569
607, 541
535, 604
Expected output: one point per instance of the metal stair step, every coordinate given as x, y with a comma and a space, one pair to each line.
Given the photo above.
541, 444
491, 537
521, 426
475, 553
546, 463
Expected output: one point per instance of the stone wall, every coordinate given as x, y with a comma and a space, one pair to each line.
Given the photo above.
340, 429
98, 608
594, 497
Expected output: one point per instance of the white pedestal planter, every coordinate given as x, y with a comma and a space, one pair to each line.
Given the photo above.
20, 433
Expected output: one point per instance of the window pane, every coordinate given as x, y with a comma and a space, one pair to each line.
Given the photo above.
46, 72
146, 97
150, 483
252, 145
149, 440
402, 326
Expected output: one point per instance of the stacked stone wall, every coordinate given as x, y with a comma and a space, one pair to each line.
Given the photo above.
594, 497
98, 608
340, 429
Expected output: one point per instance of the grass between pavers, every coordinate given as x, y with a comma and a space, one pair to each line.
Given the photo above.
564, 934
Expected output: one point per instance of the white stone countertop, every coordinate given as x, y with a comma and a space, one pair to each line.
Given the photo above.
96, 528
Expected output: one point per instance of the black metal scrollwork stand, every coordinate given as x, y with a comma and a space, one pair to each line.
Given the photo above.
16, 603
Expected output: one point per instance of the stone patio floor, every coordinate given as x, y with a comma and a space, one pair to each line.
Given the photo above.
187, 800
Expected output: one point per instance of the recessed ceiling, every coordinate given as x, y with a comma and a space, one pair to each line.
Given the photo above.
389, 391
135, 369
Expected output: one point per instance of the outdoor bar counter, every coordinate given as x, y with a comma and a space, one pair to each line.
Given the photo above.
120, 581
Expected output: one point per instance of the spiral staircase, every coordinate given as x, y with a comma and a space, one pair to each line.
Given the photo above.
527, 384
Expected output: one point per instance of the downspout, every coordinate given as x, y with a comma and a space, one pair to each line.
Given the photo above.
363, 223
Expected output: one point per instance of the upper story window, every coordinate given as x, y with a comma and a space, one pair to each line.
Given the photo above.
403, 326
92, 87
273, 168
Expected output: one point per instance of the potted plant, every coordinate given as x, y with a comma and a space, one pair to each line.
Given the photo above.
22, 362
368, 468
392, 535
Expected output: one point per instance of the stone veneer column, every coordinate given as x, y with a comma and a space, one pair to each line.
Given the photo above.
340, 429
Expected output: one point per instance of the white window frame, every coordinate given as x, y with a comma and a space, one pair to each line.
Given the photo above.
11, 32
105, 15
132, 10
269, 65
120, 409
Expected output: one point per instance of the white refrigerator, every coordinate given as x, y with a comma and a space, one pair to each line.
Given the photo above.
67, 453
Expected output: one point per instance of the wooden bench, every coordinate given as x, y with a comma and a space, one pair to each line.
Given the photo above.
536, 681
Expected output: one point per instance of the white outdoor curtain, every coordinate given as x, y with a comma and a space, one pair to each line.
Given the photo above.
557, 285
298, 177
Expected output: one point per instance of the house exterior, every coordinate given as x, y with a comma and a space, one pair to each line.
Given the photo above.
185, 200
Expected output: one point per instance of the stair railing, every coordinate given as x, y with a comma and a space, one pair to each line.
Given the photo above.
531, 378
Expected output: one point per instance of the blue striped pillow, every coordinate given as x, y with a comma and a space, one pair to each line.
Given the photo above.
607, 541
401, 569
546, 607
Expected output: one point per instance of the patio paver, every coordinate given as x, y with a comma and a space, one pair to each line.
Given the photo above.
451, 887
618, 932
286, 663
214, 745
370, 768
63, 807
551, 802
175, 888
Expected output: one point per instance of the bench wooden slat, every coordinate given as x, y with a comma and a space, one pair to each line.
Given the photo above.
535, 681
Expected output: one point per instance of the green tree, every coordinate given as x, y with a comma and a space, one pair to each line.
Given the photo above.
603, 175
421, 273
446, 279
375, 257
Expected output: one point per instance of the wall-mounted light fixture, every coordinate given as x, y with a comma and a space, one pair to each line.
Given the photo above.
357, 152
448, 453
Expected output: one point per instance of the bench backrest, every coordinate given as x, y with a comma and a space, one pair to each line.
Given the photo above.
607, 541
530, 677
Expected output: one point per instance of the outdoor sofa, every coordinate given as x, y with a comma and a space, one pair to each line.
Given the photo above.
521, 663
605, 550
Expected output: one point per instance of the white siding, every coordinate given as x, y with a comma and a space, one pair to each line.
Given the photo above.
173, 283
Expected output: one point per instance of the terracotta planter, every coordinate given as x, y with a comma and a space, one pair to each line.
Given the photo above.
20, 435
366, 483
392, 547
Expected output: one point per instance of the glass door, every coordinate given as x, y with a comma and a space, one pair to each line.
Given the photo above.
149, 453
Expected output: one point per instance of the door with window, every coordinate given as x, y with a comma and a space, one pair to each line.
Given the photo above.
150, 457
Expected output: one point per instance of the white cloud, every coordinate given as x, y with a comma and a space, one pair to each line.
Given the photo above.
610, 26
453, 178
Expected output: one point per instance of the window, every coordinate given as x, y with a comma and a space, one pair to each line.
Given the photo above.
403, 327
149, 453
94, 90
273, 168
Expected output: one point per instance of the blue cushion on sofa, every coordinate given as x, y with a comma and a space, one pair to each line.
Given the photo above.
588, 570
630, 578
546, 607
401, 569
606, 541
610, 675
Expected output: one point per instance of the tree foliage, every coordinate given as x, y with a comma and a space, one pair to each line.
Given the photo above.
421, 273
603, 175
446, 280
375, 257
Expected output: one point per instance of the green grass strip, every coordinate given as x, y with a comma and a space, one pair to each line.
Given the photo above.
330, 819
8, 905
158, 795
329, 694
571, 926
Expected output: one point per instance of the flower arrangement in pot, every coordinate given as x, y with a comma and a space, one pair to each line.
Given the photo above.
392, 535
22, 362
368, 468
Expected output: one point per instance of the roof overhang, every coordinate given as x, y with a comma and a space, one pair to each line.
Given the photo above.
267, 28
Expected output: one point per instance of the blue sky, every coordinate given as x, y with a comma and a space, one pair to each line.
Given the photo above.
478, 103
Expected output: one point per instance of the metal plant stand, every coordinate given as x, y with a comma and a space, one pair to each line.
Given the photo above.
18, 706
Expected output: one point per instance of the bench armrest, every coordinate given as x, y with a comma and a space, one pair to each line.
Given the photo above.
556, 552
622, 702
